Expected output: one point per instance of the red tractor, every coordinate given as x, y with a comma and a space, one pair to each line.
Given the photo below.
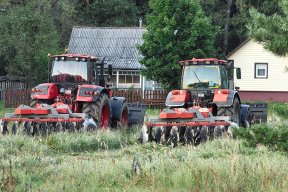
75, 98
206, 106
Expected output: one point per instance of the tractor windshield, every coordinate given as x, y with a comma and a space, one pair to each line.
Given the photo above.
69, 71
201, 77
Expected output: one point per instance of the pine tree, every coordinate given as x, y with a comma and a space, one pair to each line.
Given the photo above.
272, 31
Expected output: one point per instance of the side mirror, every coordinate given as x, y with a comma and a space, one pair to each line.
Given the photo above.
110, 69
238, 73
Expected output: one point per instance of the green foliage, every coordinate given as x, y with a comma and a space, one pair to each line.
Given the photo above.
177, 30
280, 109
31, 164
270, 30
112, 13
242, 16
274, 137
29, 30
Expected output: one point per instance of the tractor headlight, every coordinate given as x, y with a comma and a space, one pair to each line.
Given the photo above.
83, 59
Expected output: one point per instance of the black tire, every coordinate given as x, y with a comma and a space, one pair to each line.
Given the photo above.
118, 123
233, 111
94, 110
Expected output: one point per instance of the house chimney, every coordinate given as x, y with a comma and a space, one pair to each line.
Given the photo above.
140, 22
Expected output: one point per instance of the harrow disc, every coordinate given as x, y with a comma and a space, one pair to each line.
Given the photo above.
144, 136
174, 136
14, 128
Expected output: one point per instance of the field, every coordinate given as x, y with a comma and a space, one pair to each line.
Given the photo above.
115, 161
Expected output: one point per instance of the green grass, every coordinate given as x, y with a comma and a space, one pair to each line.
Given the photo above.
115, 161
3, 110
111, 161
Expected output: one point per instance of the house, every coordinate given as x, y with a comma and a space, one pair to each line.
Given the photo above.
264, 75
118, 46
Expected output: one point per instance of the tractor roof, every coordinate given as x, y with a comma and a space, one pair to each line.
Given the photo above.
76, 56
203, 61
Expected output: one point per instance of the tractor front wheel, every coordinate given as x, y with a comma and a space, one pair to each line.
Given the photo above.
99, 111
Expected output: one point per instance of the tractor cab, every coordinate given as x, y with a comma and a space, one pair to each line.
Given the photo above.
77, 69
204, 74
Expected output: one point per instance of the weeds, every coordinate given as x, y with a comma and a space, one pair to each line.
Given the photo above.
114, 161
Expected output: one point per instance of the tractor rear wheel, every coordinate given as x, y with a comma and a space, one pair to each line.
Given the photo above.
233, 111
99, 111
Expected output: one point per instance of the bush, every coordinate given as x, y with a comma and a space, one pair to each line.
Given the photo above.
275, 137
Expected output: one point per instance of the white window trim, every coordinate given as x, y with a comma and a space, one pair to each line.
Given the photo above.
256, 71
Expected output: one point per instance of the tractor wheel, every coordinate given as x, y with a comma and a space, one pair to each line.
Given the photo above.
233, 111
123, 121
99, 111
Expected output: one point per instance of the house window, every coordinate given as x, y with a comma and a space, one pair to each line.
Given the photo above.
261, 70
128, 79
113, 78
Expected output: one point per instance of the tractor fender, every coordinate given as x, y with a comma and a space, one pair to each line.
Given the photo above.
116, 105
93, 88
177, 98
229, 101
48, 91
243, 111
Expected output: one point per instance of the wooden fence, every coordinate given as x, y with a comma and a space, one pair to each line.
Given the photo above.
7, 84
153, 99
15, 97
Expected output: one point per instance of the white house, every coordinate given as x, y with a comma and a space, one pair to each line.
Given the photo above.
118, 46
264, 75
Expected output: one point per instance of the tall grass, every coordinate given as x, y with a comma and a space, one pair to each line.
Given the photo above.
114, 161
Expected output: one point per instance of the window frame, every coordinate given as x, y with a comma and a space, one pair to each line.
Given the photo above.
255, 71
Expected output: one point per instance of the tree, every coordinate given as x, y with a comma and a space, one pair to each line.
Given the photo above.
232, 16
28, 32
272, 31
242, 16
112, 13
177, 30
